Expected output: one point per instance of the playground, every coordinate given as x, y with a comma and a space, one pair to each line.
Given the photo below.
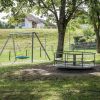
49, 49
19, 46
27, 72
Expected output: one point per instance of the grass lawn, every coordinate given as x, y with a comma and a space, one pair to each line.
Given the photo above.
17, 85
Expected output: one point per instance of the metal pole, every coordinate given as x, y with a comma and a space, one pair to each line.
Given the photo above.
9, 55
4, 45
94, 59
54, 59
42, 45
14, 46
32, 46
40, 52
65, 60
45, 43
69, 40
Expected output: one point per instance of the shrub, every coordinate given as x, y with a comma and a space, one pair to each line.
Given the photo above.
83, 39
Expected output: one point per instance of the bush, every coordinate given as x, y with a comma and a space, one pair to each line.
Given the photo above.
88, 33
83, 39
77, 38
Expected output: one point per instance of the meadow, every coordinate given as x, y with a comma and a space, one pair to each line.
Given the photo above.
23, 44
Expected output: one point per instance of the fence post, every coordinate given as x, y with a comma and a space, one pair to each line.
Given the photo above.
82, 59
40, 52
26, 52
9, 55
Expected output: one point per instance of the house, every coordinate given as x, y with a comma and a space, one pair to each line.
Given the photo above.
32, 21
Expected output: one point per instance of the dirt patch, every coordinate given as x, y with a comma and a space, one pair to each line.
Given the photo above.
63, 71
48, 70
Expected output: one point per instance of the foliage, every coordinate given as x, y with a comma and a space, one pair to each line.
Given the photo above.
4, 25
89, 34
16, 20
83, 39
94, 13
60, 12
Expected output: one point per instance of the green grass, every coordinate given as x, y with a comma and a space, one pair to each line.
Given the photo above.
19, 86
24, 42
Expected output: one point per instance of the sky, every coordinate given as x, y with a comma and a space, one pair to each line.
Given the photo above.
5, 20
3, 15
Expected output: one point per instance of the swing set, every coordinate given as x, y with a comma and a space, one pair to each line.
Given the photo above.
33, 34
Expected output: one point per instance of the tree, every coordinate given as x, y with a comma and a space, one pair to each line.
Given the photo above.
60, 11
18, 19
94, 12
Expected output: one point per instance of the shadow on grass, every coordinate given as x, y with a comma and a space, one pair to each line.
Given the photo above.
50, 88
20, 96
36, 84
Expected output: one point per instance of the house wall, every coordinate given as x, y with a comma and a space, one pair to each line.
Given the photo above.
28, 24
40, 25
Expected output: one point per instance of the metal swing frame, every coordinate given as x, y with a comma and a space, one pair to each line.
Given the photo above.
11, 35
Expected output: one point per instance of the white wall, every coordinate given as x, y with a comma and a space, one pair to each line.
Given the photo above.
28, 24
40, 25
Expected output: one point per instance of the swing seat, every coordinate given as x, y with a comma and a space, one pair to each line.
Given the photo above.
22, 57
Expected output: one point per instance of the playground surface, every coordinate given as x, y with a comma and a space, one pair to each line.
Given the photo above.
52, 70
49, 70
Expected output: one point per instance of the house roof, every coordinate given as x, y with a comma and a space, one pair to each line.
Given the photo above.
35, 19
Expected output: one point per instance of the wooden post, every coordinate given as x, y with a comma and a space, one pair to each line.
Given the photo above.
9, 55
74, 59
82, 59
26, 52
40, 52
32, 46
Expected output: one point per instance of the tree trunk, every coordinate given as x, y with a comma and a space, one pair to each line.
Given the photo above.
98, 45
62, 24
61, 35
97, 31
